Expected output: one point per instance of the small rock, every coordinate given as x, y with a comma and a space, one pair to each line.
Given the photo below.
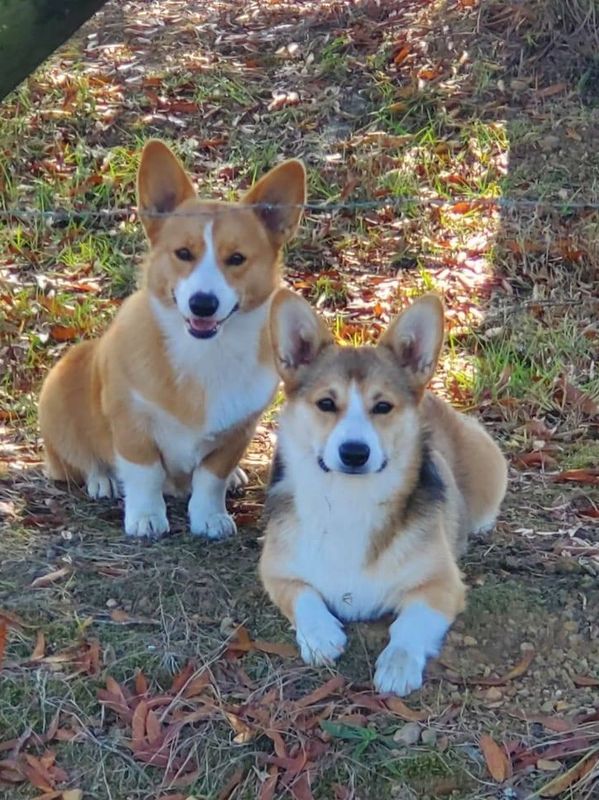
111, 603
429, 736
470, 641
493, 694
546, 765
408, 735
526, 646
571, 625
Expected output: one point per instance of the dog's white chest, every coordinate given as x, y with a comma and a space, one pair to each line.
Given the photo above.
234, 384
331, 554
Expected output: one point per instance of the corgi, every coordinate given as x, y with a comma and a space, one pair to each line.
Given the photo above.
171, 393
375, 485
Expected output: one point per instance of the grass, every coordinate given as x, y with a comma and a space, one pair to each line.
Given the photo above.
441, 124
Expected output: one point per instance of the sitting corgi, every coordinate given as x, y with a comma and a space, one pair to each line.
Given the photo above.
375, 486
171, 393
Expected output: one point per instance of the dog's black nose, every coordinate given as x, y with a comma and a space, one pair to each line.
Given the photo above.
203, 304
354, 454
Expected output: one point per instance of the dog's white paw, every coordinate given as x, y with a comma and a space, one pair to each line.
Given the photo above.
398, 672
323, 642
215, 526
100, 485
149, 524
238, 480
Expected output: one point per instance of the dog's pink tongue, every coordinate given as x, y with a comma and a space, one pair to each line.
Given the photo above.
201, 325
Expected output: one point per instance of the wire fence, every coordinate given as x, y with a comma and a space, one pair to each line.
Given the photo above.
465, 203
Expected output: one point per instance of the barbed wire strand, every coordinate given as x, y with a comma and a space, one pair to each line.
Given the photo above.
78, 214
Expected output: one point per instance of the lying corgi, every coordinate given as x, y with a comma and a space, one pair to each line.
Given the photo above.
375, 486
175, 386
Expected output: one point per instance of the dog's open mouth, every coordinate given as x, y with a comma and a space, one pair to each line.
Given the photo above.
207, 327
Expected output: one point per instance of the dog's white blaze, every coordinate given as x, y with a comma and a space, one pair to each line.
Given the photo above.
354, 426
416, 634
145, 509
206, 277
235, 384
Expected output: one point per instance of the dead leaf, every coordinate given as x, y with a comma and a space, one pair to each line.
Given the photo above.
585, 680
549, 91
268, 787
3, 639
72, 794
141, 683
243, 732
318, 695
119, 615
584, 475
495, 758
462, 207
537, 458
40, 646
398, 707
64, 333
401, 55
572, 776
181, 678
138, 724
51, 577
568, 394
232, 784
282, 649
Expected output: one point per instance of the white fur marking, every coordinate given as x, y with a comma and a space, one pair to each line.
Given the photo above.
319, 634
207, 513
145, 509
415, 635
236, 385
206, 277
354, 426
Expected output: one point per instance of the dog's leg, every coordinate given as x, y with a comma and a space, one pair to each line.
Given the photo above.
418, 632
207, 511
142, 475
320, 635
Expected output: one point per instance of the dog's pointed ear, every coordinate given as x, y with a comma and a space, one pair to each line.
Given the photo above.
297, 333
280, 195
162, 185
415, 338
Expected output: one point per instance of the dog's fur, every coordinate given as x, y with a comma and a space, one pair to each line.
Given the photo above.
167, 396
342, 547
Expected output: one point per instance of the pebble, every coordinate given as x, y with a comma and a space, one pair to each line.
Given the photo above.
526, 646
470, 641
111, 603
494, 694
429, 736
408, 735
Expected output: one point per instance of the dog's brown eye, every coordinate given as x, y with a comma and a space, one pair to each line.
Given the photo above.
382, 408
235, 260
184, 254
326, 404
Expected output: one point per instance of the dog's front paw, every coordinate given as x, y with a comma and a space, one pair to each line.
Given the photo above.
238, 480
398, 672
150, 524
323, 641
215, 526
101, 486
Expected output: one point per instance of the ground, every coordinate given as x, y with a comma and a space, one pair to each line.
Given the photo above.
464, 135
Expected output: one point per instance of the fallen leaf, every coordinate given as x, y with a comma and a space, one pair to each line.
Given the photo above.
72, 794
584, 475
401, 55
3, 639
40, 646
119, 615
549, 91
546, 765
51, 577
63, 333
538, 458
568, 394
232, 784
275, 648
495, 758
585, 680
243, 732
462, 207
326, 690
181, 678
398, 707
572, 776
268, 787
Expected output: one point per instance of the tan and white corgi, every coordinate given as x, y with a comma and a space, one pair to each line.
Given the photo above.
172, 391
375, 485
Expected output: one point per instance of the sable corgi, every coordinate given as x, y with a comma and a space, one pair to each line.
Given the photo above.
375, 486
172, 391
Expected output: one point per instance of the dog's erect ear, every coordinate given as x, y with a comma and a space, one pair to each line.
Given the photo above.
298, 335
281, 193
415, 338
162, 184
